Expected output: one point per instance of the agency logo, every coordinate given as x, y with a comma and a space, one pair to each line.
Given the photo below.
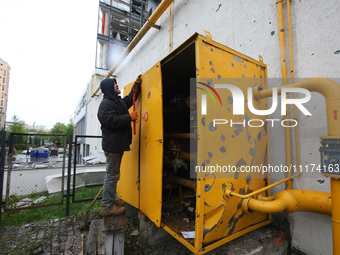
239, 102
206, 89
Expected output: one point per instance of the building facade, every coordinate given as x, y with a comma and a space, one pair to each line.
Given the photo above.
118, 23
252, 29
5, 70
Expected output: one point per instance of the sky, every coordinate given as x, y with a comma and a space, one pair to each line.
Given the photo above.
50, 47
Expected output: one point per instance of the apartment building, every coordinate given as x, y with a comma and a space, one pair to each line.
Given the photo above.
5, 70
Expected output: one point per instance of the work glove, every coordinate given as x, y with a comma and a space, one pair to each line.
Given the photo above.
139, 80
133, 116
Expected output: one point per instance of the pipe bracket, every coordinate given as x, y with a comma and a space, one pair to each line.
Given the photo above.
228, 193
150, 24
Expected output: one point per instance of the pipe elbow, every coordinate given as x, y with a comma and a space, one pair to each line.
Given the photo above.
327, 87
277, 205
290, 201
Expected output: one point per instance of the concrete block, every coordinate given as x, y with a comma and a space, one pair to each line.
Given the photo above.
161, 236
150, 232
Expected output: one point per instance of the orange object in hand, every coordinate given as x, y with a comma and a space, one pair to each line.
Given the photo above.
139, 79
133, 116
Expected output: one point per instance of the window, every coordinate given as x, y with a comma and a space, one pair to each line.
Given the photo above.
3, 87
3, 80
4, 72
2, 102
2, 95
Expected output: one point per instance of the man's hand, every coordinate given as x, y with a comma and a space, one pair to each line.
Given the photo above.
139, 80
133, 116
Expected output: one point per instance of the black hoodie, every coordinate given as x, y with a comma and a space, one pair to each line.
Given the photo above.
114, 118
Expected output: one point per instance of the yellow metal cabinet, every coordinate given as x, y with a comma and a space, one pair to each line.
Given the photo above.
181, 81
130, 189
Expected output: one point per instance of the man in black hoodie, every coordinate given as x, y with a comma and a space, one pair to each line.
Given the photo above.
116, 129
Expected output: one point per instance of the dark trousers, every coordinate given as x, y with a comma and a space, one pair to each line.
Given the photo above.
113, 160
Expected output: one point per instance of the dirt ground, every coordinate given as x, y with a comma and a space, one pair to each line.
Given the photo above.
69, 236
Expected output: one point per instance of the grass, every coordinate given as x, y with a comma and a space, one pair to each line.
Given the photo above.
21, 217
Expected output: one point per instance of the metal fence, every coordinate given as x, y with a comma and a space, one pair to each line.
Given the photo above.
88, 165
2, 168
34, 170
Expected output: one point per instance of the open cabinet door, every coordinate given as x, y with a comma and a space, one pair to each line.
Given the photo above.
128, 185
151, 145
237, 146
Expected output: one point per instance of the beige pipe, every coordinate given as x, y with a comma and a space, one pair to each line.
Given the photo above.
146, 27
92, 80
107, 23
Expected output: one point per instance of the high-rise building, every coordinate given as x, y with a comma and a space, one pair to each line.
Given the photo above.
5, 70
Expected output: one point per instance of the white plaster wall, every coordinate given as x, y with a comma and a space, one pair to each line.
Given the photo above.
315, 41
92, 123
251, 27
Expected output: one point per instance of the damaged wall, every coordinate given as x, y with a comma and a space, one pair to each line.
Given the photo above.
252, 29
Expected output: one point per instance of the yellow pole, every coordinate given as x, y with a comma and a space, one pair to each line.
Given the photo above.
282, 42
335, 191
297, 149
290, 42
288, 145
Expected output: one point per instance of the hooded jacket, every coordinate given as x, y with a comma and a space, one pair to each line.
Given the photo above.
114, 118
